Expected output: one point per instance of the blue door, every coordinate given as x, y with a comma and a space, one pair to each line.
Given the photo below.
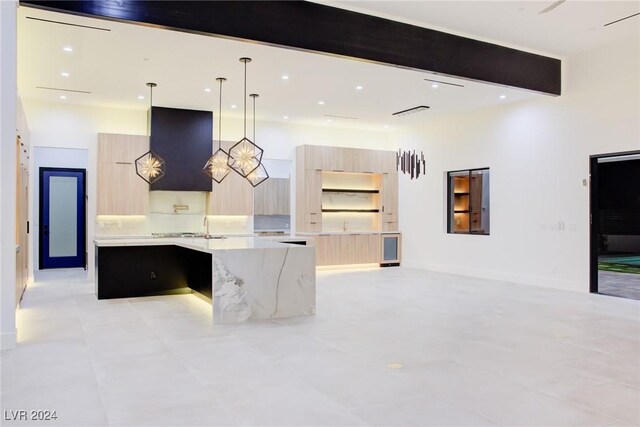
62, 218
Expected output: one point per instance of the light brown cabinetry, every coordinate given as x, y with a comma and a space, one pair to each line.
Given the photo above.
345, 249
120, 190
22, 218
233, 196
272, 197
354, 173
389, 209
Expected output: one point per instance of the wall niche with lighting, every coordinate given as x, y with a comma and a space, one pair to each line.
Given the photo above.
351, 201
468, 194
342, 189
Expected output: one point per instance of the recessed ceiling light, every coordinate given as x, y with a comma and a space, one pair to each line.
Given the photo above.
140, 96
207, 89
64, 74
234, 106
328, 120
67, 49
285, 117
285, 77
63, 97
320, 102
386, 126
503, 96
435, 86
359, 88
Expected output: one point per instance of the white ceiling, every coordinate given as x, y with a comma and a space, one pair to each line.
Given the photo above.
115, 65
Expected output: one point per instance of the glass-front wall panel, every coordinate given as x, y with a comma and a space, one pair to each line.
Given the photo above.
469, 202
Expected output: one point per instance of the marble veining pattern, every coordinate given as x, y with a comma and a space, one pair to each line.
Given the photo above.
263, 284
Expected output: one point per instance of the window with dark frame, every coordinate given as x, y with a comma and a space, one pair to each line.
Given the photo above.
468, 201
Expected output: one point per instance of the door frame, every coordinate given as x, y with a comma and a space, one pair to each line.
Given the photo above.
594, 226
83, 228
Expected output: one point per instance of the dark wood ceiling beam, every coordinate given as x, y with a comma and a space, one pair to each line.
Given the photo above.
329, 30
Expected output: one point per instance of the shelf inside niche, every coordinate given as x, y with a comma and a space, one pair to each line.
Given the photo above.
352, 210
348, 190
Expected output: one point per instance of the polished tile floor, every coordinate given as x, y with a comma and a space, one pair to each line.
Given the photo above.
472, 353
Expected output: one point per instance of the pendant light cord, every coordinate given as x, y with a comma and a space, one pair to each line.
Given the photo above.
220, 118
254, 118
245, 99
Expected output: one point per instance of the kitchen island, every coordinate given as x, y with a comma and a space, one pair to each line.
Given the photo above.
246, 278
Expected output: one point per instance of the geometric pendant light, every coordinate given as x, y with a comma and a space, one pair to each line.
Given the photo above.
217, 167
259, 174
245, 156
150, 166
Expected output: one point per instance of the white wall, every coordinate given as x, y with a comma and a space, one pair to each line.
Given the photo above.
8, 96
56, 127
538, 152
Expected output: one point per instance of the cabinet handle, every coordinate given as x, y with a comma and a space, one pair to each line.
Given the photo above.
124, 163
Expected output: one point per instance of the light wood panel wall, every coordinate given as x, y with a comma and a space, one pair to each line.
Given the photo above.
120, 190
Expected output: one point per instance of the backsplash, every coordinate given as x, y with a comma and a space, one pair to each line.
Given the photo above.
173, 212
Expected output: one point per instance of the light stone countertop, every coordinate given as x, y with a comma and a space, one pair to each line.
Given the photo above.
204, 245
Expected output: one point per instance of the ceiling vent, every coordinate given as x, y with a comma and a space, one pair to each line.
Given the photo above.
67, 23
622, 19
413, 110
62, 89
341, 117
444, 83
550, 8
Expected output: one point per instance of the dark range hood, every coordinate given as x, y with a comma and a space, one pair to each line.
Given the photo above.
184, 139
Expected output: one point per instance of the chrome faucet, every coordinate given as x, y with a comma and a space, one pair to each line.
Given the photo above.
205, 224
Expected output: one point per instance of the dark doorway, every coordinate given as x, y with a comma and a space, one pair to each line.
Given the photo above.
62, 218
615, 224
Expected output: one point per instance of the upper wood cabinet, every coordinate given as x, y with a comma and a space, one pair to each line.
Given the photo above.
120, 190
233, 196
272, 197
345, 159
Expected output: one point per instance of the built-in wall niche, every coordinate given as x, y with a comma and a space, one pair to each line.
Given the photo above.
350, 201
469, 207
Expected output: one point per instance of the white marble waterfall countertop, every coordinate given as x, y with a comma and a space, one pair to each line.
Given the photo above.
202, 244
252, 277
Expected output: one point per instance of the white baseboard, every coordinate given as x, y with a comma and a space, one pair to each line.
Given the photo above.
8, 340
545, 282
